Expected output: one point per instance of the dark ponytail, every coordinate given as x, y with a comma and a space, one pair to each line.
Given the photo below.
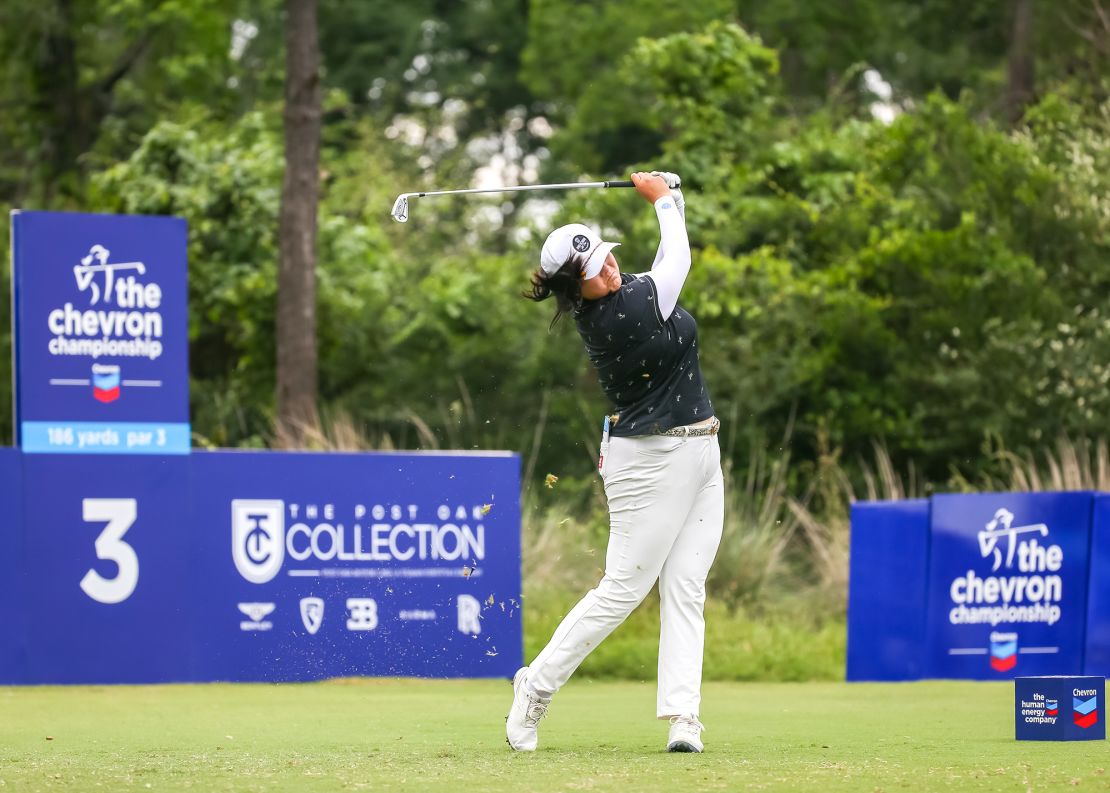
564, 284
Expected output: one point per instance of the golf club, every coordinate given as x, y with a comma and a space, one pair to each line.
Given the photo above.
400, 211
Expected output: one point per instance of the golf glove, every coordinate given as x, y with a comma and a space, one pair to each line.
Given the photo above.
674, 181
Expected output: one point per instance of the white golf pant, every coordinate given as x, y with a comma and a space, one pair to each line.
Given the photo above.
666, 509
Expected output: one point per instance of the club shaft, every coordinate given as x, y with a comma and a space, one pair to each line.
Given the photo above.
523, 188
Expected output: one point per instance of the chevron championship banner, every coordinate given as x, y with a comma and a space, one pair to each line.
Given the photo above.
1008, 584
100, 333
987, 586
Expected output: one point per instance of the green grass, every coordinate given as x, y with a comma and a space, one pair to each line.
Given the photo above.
407, 735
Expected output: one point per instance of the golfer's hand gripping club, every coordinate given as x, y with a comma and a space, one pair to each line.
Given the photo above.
650, 186
674, 181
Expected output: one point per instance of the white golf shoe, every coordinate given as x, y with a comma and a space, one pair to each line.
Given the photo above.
524, 717
685, 734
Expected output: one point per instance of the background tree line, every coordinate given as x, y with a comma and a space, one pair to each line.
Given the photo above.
899, 209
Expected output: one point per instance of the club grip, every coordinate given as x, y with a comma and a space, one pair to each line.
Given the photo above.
622, 183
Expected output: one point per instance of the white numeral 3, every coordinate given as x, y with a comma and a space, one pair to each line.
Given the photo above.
120, 515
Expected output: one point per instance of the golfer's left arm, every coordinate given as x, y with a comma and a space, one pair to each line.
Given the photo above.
675, 184
669, 273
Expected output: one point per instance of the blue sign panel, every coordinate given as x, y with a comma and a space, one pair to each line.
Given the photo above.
100, 333
260, 566
1008, 584
323, 565
107, 583
1059, 708
12, 613
887, 590
1097, 659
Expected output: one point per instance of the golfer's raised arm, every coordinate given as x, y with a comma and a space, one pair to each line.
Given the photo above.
669, 272
674, 183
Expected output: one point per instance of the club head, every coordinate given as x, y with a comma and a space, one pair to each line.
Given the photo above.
400, 211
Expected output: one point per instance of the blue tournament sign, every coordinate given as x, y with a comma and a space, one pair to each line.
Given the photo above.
13, 616
105, 581
887, 590
100, 333
1097, 658
1008, 584
258, 566
330, 565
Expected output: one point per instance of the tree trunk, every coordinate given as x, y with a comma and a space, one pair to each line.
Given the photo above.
57, 101
1019, 91
296, 311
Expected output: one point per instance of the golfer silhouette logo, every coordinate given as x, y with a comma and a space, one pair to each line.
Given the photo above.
1002, 527
97, 262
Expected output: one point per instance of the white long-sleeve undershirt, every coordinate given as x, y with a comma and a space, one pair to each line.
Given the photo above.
672, 259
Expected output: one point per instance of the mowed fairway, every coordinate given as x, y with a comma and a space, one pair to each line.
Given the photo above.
443, 735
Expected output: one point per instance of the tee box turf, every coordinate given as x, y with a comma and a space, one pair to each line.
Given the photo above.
1059, 708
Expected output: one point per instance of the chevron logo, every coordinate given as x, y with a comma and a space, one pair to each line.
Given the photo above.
1085, 711
1003, 651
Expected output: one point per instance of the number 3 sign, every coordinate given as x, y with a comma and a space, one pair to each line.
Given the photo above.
119, 514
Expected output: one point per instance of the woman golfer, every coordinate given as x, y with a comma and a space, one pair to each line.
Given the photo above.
660, 463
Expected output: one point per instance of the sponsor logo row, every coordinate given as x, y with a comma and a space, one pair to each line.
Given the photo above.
360, 614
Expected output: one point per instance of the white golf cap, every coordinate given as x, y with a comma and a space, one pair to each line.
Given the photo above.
578, 243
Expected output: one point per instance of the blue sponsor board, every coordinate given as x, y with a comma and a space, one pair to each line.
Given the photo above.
12, 613
1059, 708
1097, 659
1007, 584
887, 590
106, 581
100, 333
261, 566
346, 564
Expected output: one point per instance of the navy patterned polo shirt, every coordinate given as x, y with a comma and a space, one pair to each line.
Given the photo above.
647, 367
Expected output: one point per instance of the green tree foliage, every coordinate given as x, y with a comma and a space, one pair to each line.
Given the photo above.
875, 280
711, 94
937, 282
408, 58
227, 186
923, 45
84, 80
405, 343
569, 62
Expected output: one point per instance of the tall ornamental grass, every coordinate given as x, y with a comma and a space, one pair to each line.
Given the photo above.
777, 593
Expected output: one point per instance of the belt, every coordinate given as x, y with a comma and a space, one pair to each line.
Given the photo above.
694, 430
